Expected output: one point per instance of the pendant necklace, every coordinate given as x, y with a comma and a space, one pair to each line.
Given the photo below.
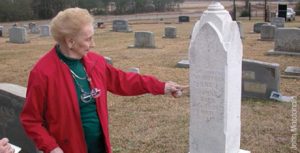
85, 97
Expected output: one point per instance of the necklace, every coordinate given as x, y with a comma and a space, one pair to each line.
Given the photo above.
81, 78
85, 97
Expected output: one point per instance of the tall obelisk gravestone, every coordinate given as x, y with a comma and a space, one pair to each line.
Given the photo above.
215, 56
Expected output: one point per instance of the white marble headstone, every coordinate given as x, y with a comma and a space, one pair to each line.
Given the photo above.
45, 30
215, 55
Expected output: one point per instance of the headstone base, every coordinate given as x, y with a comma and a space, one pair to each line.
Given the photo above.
183, 64
132, 46
244, 151
272, 52
265, 39
169, 37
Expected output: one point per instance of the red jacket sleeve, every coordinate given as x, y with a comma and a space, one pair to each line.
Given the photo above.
129, 84
32, 114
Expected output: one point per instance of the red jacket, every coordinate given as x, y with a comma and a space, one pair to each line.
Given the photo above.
51, 115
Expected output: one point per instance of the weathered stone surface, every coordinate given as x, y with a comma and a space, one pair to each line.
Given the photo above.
45, 31
144, 39
278, 22
287, 40
18, 35
170, 32
259, 79
267, 32
121, 26
12, 98
215, 56
257, 27
183, 64
292, 70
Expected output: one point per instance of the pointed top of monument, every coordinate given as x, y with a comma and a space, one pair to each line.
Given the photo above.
215, 6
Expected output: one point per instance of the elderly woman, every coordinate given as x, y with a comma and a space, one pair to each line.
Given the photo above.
66, 101
5, 147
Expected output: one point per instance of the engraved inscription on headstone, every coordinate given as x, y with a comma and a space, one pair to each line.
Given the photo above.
215, 56
259, 79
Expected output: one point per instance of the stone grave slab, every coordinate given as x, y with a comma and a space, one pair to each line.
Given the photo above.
183, 64
287, 41
183, 19
170, 32
292, 70
121, 26
12, 98
18, 35
257, 27
215, 55
45, 30
143, 39
259, 79
267, 32
278, 22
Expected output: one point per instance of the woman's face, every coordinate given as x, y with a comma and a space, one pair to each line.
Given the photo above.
83, 42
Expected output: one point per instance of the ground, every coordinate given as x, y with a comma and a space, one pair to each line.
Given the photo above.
160, 124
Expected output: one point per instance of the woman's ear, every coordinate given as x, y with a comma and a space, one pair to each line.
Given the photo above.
70, 42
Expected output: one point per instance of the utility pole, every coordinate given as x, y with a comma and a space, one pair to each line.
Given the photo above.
266, 12
234, 11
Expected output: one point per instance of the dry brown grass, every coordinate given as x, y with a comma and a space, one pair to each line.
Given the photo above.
159, 124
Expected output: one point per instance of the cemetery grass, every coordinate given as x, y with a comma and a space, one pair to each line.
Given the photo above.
160, 124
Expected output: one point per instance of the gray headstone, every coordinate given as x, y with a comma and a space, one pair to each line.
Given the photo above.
267, 32
31, 24
278, 22
257, 27
134, 70
241, 29
259, 79
120, 26
34, 29
170, 32
183, 64
292, 70
45, 31
144, 39
287, 40
12, 98
18, 35
215, 55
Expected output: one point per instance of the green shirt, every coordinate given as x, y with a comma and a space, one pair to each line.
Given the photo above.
88, 112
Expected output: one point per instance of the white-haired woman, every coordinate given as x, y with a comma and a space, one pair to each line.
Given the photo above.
66, 102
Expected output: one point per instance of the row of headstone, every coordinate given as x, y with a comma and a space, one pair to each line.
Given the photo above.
259, 78
19, 34
278, 22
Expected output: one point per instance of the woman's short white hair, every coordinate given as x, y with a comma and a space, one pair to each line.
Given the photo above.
69, 22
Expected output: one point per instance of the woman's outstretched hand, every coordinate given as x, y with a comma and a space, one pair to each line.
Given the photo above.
174, 89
